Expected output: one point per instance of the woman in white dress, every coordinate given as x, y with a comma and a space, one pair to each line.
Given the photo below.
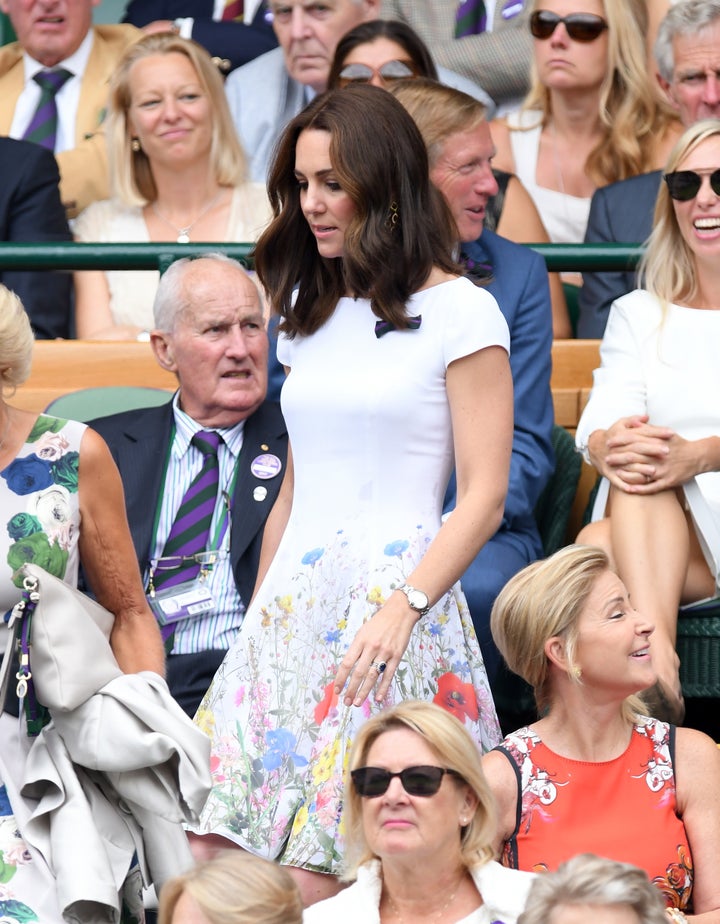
592, 115
397, 367
177, 172
652, 425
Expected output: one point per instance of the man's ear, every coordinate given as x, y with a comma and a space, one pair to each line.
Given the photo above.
666, 90
162, 347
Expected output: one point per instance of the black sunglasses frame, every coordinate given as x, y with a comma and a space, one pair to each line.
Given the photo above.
684, 185
581, 27
430, 776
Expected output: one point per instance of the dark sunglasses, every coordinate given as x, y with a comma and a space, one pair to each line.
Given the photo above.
416, 781
581, 27
684, 185
363, 73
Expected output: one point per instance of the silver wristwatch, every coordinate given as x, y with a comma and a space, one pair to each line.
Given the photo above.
416, 598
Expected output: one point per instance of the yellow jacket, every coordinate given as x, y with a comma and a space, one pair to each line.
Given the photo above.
84, 169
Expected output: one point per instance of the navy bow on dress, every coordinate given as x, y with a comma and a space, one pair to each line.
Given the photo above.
384, 327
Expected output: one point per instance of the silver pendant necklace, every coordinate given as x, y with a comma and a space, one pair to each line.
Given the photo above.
183, 234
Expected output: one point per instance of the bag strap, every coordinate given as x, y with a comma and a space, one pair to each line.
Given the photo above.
20, 622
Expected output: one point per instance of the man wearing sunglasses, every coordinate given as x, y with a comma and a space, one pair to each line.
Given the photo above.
210, 332
687, 53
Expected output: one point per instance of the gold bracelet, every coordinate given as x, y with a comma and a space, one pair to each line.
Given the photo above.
676, 915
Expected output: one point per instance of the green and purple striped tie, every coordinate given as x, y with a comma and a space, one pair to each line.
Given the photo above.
43, 125
190, 531
470, 18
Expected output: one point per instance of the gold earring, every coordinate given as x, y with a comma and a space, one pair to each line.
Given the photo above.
135, 145
577, 672
393, 216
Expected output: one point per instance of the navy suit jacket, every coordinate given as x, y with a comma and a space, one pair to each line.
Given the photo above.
31, 210
520, 286
237, 41
620, 213
139, 442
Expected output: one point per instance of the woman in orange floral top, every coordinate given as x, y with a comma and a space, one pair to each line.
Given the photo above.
595, 774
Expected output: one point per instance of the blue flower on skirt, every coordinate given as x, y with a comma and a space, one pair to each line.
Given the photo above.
397, 547
280, 742
309, 558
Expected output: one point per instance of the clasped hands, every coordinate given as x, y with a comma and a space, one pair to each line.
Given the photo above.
640, 458
381, 640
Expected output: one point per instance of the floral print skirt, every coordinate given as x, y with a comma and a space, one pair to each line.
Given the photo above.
280, 738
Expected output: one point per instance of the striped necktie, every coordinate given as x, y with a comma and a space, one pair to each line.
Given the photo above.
233, 9
190, 531
470, 18
43, 125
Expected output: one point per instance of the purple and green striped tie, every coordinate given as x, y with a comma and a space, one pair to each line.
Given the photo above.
43, 125
470, 18
190, 531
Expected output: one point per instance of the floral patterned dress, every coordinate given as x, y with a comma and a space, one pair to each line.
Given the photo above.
625, 809
370, 428
39, 510
40, 513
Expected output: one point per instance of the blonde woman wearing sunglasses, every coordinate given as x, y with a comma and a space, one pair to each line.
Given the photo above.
652, 425
420, 821
592, 116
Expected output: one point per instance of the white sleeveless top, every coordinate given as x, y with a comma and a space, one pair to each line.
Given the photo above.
565, 217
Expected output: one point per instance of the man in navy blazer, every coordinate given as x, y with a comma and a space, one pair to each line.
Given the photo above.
619, 213
460, 151
234, 42
31, 210
519, 283
217, 345
687, 53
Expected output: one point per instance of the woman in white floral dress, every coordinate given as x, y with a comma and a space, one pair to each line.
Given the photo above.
398, 367
60, 501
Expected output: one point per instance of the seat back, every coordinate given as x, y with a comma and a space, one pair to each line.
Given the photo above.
89, 403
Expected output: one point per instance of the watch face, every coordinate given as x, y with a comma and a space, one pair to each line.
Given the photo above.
417, 599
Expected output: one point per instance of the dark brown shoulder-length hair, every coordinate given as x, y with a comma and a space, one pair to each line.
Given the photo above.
392, 29
401, 228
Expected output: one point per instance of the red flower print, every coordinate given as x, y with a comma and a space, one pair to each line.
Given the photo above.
328, 702
676, 885
457, 697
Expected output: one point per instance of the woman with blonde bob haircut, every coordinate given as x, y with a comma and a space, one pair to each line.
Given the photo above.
651, 427
234, 887
16, 342
178, 173
420, 820
592, 115
594, 774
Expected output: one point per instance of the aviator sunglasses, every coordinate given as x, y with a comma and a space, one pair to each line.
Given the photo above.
684, 185
416, 781
363, 73
581, 27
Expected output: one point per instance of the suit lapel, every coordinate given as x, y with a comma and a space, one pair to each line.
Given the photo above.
11, 86
248, 513
141, 457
